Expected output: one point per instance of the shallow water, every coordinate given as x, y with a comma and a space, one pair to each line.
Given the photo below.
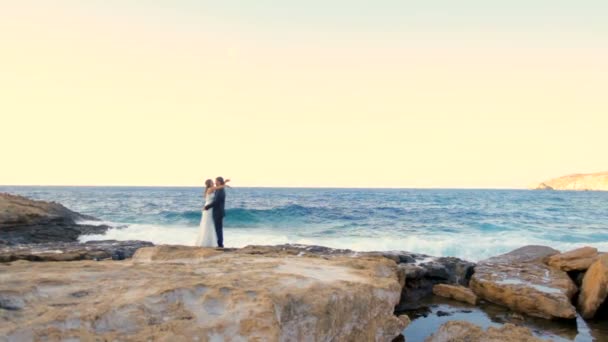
438, 310
471, 224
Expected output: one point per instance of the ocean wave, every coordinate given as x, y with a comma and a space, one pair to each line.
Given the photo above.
190, 215
291, 214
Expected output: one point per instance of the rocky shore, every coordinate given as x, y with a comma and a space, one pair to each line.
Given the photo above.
133, 291
71, 251
287, 293
177, 293
23, 220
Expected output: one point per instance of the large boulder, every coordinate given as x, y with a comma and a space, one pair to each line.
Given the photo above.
575, 260
70, 251
456, 331
23, 220
595, 287
522, 281
456, 292
171, 293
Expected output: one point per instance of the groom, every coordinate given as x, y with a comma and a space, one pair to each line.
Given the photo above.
218, 211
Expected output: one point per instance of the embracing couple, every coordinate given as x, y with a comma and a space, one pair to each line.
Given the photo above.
211, 233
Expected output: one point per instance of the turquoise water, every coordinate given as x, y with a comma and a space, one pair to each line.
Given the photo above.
471, 224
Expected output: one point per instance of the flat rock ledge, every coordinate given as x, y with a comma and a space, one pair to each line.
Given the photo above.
71, 251
456, 331
521, 281
418, 273
177, 293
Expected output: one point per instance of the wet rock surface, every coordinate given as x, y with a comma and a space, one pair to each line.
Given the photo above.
421, 272
428, 319
70, 251
521, 281
23, 221
464, 331
174, 293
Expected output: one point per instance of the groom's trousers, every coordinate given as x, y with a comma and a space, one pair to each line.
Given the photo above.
219, 230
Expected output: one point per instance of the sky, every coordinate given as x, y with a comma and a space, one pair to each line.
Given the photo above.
387, 93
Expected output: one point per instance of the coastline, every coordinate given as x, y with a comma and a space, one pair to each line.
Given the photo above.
412, 278
536, 288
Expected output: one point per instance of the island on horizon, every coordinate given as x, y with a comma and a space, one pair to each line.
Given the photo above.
579, 182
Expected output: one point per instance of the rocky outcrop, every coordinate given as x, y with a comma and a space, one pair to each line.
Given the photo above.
595, 287
576, 260
419, 273
521, 281
171, 293
23, 220
542, 186
456, 292
70, 251
454, 331
590, 181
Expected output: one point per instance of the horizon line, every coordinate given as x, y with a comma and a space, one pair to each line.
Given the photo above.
267, 187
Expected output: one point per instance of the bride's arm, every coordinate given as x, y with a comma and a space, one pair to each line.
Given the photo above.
214, 188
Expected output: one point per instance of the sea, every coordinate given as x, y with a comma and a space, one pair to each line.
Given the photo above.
465, 223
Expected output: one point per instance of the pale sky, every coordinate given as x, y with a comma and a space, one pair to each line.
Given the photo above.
302, 93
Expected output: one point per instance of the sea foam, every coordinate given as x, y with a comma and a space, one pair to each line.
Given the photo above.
462, 246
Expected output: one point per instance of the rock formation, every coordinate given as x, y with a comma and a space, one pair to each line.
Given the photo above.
595, 287
591, 181
456, 292
419, 273
23, 220
576, 260
521, 281
455, 331
172, 293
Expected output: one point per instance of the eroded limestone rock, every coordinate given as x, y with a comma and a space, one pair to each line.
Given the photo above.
576, 260
595, 287
183, 293
521, 281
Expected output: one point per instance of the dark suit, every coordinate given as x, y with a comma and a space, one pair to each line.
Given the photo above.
218, 215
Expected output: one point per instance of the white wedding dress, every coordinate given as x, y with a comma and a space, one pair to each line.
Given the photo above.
206, 234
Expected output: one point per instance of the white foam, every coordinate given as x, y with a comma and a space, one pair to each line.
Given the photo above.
466, 246
98, 223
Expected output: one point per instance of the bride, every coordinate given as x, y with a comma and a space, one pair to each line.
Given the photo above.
206, 234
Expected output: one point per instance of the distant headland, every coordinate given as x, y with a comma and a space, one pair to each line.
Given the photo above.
582, 182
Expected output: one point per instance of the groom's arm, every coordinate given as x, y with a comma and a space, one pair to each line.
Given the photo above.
213, 204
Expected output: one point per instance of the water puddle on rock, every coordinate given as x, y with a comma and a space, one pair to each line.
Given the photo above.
435, 311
